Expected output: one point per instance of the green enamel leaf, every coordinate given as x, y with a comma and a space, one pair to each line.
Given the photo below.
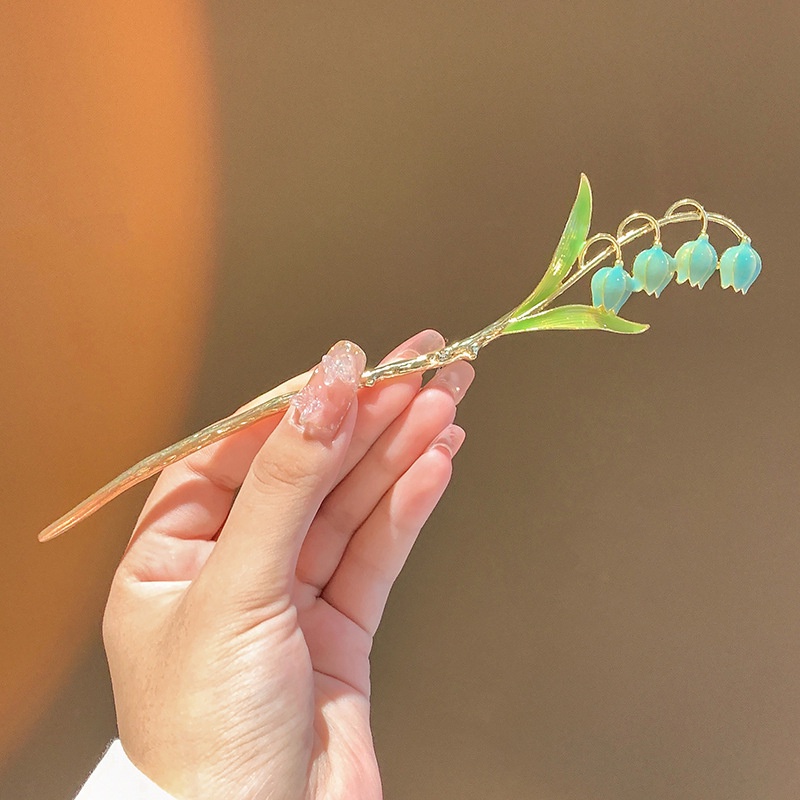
575, 318
569, 247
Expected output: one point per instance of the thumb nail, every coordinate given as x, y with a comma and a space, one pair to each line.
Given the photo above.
319, 409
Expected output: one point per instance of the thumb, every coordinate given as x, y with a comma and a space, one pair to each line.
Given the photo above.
254, 560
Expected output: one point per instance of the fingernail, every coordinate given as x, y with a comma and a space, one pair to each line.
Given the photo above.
319, 409
449, 440
423, 342
455, 377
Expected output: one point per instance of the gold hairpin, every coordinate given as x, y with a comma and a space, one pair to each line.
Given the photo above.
611, 287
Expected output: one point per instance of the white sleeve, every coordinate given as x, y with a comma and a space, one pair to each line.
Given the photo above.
116, 776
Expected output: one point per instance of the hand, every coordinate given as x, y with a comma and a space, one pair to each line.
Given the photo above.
240, 621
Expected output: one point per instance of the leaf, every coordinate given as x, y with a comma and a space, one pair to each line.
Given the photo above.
575, 318
569, 247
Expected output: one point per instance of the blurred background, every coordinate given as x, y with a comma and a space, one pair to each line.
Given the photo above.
200, 197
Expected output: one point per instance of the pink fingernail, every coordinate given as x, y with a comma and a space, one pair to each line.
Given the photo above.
455, 377
423, 342
319, 409
450, 439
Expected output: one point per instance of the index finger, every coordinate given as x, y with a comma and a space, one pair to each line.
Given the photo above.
191, 498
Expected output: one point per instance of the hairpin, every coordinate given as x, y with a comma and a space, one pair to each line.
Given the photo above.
611, 286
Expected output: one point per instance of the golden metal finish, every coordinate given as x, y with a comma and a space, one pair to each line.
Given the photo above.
599, 237
640, 215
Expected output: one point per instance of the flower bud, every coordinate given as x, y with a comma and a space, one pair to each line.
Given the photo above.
695, 261
612, 286
653, 269
739, 267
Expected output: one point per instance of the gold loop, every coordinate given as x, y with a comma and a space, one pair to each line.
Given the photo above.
598, 237
687, 201
640, 215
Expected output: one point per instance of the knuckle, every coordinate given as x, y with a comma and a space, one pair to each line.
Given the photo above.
269, 474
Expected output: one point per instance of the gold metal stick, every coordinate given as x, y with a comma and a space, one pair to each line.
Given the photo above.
153, 464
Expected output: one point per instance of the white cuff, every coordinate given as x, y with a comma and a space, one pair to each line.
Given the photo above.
116, 776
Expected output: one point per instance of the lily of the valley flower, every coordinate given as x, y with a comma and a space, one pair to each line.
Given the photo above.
739, 267
653, 268
695, 261
612, 286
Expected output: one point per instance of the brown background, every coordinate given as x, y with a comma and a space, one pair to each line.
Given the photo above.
606, 603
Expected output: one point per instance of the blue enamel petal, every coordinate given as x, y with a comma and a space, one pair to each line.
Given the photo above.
739, 267
682, 259
597, 286
600, 290
704, 262
673, 266
653, 269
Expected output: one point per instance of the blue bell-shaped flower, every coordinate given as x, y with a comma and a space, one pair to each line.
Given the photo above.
653, 269
739, 267
612, 286
695, 261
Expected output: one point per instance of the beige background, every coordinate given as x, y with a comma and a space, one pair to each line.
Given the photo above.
606, 603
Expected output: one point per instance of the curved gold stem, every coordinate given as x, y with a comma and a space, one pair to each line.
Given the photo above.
640, 215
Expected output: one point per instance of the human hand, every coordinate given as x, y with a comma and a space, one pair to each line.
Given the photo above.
240, 621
